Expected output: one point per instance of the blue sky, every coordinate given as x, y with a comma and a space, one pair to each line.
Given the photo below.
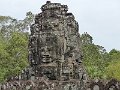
100, 18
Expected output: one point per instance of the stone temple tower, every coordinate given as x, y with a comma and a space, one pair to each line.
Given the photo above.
54, 47
55, 55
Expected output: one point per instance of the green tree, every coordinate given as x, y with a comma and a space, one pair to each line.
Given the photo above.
113, 69
95, 57
3, 58
14, 45
18, 53
114, 54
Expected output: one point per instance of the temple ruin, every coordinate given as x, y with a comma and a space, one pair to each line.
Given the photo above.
54, 48
55, 55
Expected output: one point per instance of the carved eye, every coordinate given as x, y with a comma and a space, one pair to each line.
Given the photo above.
71, 55
49, 49
55, 25
42, 50
47, 39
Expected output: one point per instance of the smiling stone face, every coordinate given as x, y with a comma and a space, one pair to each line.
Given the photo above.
48, 50
46, 54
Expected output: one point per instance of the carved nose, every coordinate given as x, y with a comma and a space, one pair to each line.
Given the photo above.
46, 52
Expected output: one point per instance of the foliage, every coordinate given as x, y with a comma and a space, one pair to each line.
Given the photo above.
113, 70
95, 57
3, 58
13, 45
98, 62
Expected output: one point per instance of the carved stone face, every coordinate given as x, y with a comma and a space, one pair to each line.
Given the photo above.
46, 55
48, 49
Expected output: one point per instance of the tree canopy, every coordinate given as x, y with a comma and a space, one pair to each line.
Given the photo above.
13, 45
98, 62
